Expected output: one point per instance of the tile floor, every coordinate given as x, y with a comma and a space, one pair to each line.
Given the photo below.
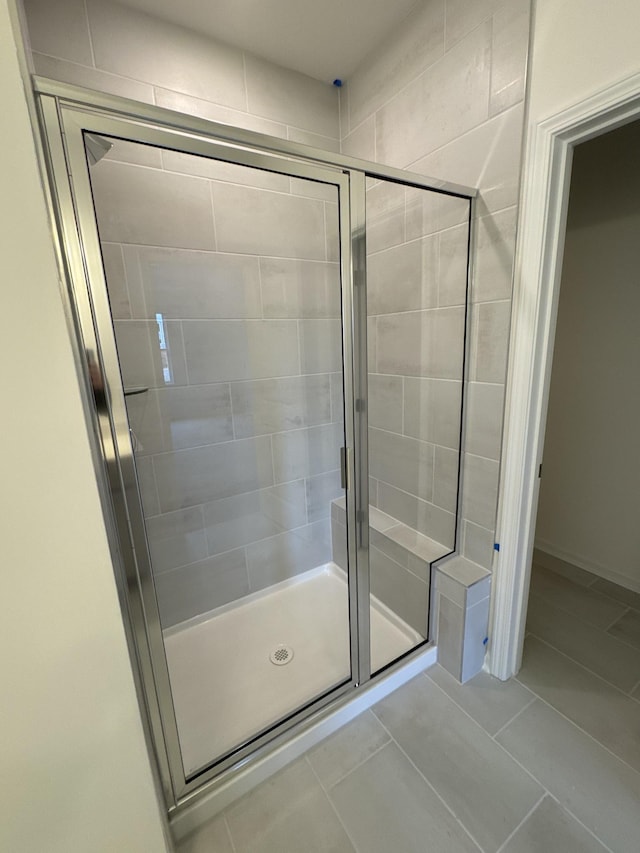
549, 761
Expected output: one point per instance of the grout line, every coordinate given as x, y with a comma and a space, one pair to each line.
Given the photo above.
475, 722
428, 783
515, 716
549, 599
577, 663
213, 217
244, 81
566, 807
580, 729
522, 822
228, 828
360, 763
618, 618
89, 33
331, 803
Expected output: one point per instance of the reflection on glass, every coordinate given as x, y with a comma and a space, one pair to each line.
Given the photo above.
416, 303
231, 319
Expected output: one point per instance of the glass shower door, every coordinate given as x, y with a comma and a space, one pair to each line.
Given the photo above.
224, 287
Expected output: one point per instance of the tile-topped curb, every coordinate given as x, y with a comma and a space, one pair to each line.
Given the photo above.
461, 605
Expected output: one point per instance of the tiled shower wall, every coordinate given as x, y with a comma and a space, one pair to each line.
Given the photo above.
417, 247
443, 96
269, 479
237, 437
102, 45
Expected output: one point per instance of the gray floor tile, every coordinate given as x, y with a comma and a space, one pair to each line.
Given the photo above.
601, 710
620, 593
627, 628
485, 789
387, 806
551, 828
599, 789
597, 650
348, 747
287, 814
561, 567
213, 837
584, 603
490, 702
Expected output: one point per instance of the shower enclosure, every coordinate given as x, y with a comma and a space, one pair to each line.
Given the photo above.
273, 341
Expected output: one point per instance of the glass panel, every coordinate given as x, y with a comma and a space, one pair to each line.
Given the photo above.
416, 296
225, 292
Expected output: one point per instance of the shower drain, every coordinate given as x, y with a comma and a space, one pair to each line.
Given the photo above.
281, 655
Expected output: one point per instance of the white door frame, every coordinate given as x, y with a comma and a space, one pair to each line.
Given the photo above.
539, 253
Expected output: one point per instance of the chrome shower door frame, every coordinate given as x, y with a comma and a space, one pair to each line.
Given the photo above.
66, 113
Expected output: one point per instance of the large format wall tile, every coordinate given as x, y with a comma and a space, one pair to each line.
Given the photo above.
192, 285
199, 587
152, 207
191, 416
242, 519
321, 490
421, 515
401, 461
143, 47
299, 289
401, 591
320, 346
385, 402
487, 157
418, 42
403, 278
419, 343
260, 222
509, 54
221, 170
59, 29
202, 474
306, 452
140, 355
290, 97
176, 538
276, 405
288, 554
432, 410
223, 350
202, 108
405, 129
91, 78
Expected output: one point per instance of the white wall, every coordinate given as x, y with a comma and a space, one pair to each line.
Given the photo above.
590, 490
75, 772
580, 48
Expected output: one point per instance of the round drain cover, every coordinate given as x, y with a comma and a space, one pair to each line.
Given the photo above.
281, 655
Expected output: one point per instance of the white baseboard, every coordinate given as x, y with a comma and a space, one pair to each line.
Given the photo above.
588, 565
190, 817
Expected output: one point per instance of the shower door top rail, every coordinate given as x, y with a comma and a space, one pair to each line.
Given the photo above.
128, 108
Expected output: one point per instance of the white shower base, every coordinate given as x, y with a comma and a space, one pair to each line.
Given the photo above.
225, 688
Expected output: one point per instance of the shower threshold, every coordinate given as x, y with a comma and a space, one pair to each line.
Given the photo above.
224, 682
